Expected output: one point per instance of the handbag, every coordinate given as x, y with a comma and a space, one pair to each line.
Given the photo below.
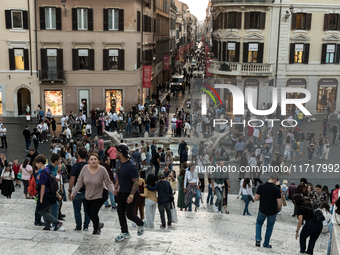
19, 176
174, 218
284, 202
268, 140
318, 215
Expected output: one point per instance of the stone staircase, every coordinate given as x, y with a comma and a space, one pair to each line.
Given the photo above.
204, 232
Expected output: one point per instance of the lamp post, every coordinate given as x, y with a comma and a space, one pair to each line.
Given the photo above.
64, 4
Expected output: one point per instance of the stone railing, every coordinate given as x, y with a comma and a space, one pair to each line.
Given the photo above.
252, 69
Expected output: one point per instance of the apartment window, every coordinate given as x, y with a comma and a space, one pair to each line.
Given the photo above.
253, 52
52, 64
113, 19
83, 55
50, 18
52, 71
113, 59
158, 25
330, 54
254, 20
82, 19
232, 20
299, 53
83, 59
331, 22
16, 19
231, 52
18, 59
301, 21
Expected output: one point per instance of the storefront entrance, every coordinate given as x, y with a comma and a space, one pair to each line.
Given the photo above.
24, 98
327, 92
113, 100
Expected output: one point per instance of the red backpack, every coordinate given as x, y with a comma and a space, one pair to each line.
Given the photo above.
31, 186
335, 196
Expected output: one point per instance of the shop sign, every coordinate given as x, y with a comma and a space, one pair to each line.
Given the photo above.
147, 72
296, 82
330, 82
253, 47
251, 82
298, 47
231, 46
166, 62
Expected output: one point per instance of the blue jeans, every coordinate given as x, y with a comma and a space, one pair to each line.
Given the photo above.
147, 127
266, 161
101, 154
299, 122
28, 143
156, 171
128, 129
112, 200
246, 200
219, 201
255, 140
301, 146
320, 150
330, 229
55, 209
197, 200
77, 202
279, 140
148, 157
270, 224
210, 195
310, 155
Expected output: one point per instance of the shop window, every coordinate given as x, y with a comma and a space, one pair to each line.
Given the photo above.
1, 109
113, 100
326, 97
50, 18
54, 101
113, 59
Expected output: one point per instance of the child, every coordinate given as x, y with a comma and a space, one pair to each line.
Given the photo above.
284, 188
165, 198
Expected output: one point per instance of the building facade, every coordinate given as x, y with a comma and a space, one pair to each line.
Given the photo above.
19, 84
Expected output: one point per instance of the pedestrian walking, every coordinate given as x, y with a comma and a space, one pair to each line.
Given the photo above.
246, 193
3, 132
27, 135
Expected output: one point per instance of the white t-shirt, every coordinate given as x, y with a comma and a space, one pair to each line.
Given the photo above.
81, 106
68, 134
45, 127
88, 129
40, 128
173, 120
63, 119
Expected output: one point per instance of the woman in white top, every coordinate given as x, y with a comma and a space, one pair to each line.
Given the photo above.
191, 188
247, 194
335, 220
3, 131
325, 208
26, 171
7, 177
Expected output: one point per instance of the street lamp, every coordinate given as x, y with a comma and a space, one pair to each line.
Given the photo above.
64, 4
288, 13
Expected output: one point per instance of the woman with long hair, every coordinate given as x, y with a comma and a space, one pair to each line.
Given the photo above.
287, 143
247, 194
169, 159
191, 188
93, 176
150, 201
311, 228
26, 171
7, 177
180, 198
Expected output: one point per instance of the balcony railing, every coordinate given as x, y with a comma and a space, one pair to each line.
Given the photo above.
242, 1
232, 68
52, 75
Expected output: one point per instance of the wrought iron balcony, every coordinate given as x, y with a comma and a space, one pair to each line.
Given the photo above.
52, 76
232, 68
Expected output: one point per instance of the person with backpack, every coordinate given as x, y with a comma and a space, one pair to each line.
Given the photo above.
165, 198
47, 196
35, 138
80, 197
312, 227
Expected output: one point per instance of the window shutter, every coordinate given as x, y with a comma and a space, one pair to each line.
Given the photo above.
245, 52
105, 19
75, 60
225, 20
121, 59
260, 53
246, 20
8, 16
323, 53
143, 23
11, 59
325, 22
43, 56
149, 24
138, 21
60, 63
25, 19
337, 58
42, 18
138, 58
105, 59
263, 20
90, 19
154, 27
224, 51
91, 59
219, 51
291, 53
293, 21
58, 19
338, 28
237, 52
308, 21
74, 19
238, 20
306, 53
26, 60
121, 20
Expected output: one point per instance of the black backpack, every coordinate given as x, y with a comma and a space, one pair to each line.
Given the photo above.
53, 186
318, 215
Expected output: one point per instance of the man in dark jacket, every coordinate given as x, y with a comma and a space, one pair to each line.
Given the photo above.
165, 198
181, 149
243, 163
184, 155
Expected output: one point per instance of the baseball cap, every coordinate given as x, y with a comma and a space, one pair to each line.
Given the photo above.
124, 150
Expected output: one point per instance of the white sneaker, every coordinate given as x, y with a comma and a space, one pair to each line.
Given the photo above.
219, 212
134, 224
279, 213
61, 229
215, 208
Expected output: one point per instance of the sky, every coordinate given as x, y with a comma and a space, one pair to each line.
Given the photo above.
197, 7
